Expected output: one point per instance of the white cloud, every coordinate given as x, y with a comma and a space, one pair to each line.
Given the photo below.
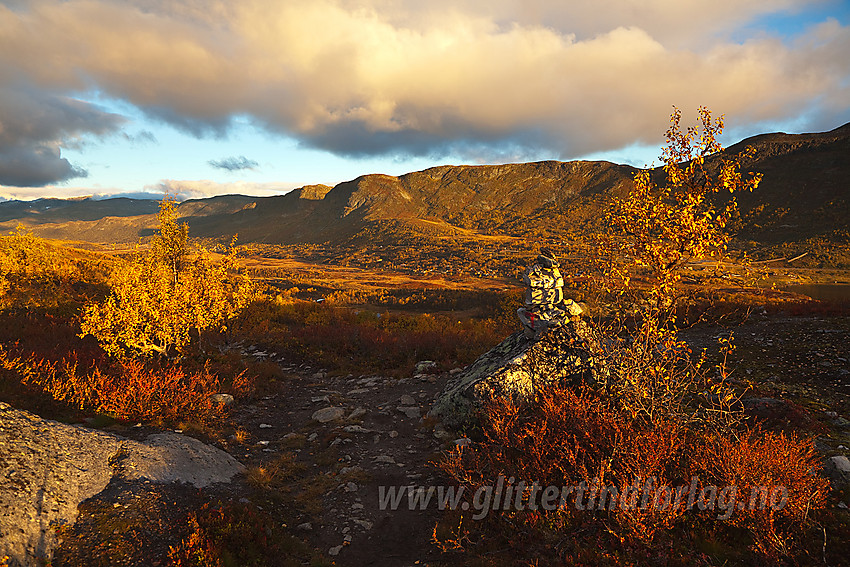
200, 189
380, 76
179, 189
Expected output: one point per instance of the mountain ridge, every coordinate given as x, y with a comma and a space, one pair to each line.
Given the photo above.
805, 193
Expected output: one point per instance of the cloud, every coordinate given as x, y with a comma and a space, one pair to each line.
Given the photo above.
373, 77
35, 165
234, 163
33, 126
180, 189
200, 189
140, 138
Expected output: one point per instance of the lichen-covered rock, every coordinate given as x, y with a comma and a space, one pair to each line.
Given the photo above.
47, 468
518, 367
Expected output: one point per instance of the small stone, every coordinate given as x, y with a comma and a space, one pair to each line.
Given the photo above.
334, 551
328, 414
318, 399
223, 399
407, 400
357, 506
265, 426
463, 442
357, 414
320, 375
442, 434
351, 487
393, 434
306, 526
356, 429
841, 464
425, 366
347, 538
366, 525
384, 459
412, 412
313, 437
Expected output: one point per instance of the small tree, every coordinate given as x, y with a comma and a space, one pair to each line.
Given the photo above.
161, 300
660, 228
655, 231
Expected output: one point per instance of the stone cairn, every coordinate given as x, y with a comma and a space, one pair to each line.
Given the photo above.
555, 346
545, 306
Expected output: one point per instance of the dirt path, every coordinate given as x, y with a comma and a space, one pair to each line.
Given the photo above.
379, 441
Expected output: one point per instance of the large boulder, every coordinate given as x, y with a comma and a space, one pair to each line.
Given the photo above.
518, 367
48, 468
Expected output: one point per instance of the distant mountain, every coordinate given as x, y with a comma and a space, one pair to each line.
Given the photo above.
42, 211
805, 194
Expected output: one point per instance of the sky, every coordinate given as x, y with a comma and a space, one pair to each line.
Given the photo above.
204, 97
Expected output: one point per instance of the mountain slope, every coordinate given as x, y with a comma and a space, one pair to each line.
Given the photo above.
805, 191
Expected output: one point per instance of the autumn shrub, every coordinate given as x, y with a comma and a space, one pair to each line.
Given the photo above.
127, 389
786, 464
224, 534
36, 274
571, 437
579, 437
46, 335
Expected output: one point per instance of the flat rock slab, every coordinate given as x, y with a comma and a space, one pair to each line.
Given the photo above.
169, 457
48, 468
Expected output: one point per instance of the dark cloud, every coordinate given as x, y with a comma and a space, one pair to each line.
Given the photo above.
35, 165
34, 126
234, 163
191, 120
